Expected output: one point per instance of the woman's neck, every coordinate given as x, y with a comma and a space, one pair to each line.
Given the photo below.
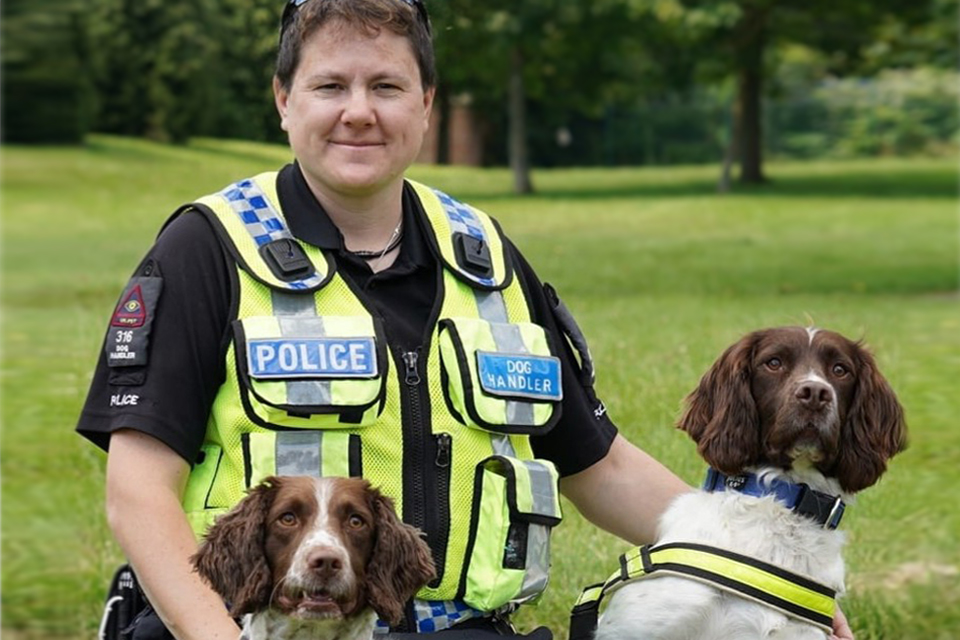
366, 222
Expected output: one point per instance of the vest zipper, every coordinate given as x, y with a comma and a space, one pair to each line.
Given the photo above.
444, 446
429, 489
413, 433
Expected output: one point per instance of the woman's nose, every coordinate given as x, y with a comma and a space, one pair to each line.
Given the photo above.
358, 110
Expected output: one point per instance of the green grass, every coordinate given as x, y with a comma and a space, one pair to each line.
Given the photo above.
661, 272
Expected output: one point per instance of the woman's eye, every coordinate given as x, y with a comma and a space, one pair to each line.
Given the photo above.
287, 519
773, 364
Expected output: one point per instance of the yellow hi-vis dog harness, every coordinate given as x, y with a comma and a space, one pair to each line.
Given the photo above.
790, 593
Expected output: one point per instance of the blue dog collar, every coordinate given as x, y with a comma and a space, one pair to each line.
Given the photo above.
825, 509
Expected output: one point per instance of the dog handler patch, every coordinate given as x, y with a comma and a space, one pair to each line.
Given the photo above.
129, 335
517, 375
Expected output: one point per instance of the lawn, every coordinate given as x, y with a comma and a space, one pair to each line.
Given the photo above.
661, 272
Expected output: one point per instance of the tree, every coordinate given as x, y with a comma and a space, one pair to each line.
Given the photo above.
152, 61
561, 56
734, 38
47, 95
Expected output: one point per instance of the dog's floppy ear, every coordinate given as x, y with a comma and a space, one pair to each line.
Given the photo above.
721, 415
231, 557
874, 430
400, 564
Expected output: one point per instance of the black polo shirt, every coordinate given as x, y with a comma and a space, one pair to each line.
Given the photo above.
170, 396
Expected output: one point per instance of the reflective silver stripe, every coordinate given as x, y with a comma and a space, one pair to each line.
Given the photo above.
263, 222
543, 488
537, 569
297, 314
491, 306
507, 337
298, 453
503, 446
293, 304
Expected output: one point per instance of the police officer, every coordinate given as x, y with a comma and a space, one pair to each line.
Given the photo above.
334, 318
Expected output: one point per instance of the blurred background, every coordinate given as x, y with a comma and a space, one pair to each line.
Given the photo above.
682, 171
537, 83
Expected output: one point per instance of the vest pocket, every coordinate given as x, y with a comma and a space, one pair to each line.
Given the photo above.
300, 453
516, 505
309, 372
500, 377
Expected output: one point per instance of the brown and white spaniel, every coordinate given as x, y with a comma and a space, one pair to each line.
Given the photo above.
780, 408
316, 558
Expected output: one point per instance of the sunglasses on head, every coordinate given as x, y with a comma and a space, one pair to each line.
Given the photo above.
290, 10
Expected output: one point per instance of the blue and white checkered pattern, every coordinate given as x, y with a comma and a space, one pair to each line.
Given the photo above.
462, 219
437, 615
262, 221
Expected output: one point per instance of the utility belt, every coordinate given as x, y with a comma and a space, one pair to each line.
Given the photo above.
790, 593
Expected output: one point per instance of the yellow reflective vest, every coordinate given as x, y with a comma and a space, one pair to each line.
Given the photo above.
313, 388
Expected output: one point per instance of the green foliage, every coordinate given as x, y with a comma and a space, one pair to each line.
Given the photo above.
47, 94
905, 112
661, 272
900, 113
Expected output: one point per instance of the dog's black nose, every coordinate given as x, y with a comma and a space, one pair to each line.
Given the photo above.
325, 563
814, 395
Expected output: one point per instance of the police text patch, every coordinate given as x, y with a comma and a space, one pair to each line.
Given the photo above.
312, 358
516, 375
129, 335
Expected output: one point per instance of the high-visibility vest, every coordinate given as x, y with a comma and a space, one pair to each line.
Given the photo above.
313, 387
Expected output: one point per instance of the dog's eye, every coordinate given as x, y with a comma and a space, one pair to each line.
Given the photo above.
840, 370
287, 519
356, 522
774, 364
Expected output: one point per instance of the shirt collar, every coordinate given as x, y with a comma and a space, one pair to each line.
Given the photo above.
309, 222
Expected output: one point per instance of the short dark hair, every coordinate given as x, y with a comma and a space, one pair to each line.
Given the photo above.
396, 16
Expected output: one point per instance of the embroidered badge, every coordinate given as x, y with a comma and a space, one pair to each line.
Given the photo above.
518, 375
131, 312
128, 338
312, 358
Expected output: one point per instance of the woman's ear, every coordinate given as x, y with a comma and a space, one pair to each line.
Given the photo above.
280, 97
428, 96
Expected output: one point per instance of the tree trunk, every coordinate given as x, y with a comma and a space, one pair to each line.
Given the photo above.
519, 158
732, 152
751, 42
441, 103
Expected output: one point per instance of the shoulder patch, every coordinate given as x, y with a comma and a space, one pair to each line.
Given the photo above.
131, 312
128, 337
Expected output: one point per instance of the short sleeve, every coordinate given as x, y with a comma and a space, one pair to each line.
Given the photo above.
584, 433
167, 389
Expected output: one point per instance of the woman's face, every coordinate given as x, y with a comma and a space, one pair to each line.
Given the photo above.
356, 111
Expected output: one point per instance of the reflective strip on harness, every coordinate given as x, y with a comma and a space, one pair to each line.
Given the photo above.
263, 223
790, 593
